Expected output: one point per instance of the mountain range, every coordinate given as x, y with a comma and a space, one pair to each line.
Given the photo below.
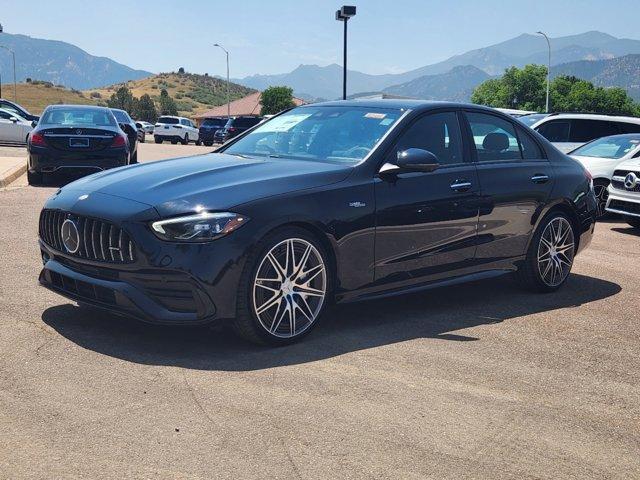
312, 81
61, 63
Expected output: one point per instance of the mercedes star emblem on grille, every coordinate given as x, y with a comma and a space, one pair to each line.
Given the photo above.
70, 236
630, 181
78, 132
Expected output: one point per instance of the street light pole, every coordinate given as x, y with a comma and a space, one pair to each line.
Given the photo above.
548, 66
343, 15
228, 95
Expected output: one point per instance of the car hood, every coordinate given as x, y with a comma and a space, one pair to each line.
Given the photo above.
598, 166
212, 181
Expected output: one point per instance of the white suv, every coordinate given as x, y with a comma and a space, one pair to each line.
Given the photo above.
175, 129
624, 192
568, 131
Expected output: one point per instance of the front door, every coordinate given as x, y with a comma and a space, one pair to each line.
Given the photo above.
426, 222
515, 182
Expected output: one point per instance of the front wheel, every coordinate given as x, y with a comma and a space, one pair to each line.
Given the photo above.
185, 140
550, 255
284, 289
602, 195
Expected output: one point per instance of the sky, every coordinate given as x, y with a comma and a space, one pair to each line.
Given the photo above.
275, 36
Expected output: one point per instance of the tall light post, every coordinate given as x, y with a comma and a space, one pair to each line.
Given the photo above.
228, 96
15, 90
548, 66
343, 15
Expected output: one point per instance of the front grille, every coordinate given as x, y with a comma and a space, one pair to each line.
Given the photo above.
98, 240
623, 206
617, 181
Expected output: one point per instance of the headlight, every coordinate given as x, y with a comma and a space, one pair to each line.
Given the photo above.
201, 227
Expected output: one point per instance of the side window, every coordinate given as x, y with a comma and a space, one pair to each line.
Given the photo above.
555, 130
438, 133
628, 127
530, 149
587, 130
5, 115
494, 137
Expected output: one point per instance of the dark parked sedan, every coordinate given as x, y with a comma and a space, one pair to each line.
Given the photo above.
208, 129
129, 127
75, 139
234, 127
338, 201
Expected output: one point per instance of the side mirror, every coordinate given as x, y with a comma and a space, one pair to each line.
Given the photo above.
34, 123
417, 160
13, 119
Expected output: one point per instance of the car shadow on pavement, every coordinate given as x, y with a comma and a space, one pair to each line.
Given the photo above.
627, 230
440, 313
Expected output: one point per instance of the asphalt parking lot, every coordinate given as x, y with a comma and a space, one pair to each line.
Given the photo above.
473, 381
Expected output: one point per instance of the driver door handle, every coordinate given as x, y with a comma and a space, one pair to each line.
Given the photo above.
461, 185
540, 178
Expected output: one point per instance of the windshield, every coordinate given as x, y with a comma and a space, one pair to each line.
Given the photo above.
609, 147
78, 116
530, 119
168, 120
340, 134
214, 122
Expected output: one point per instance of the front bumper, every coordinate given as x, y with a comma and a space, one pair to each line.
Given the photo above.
623, 202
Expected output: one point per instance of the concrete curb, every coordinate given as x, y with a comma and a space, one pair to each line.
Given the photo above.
12, 175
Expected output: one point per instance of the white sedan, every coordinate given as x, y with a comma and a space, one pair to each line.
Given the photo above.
601, 157
13, 127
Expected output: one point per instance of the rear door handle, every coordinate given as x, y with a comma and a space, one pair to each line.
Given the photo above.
461, 185
540, 178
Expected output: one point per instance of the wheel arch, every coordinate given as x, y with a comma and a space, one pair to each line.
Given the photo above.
562, 206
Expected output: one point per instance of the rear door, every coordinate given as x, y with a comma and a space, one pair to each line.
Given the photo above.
515, 180
426, 222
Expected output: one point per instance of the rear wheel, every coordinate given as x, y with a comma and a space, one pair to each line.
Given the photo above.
633, 221
34, 178
198, 142
283, 289
208, 144
157, 139
600, 188
185, 140
550, 255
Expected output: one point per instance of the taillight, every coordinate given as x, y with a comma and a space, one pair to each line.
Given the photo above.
231, 129
37, 139
119, 141
587, 174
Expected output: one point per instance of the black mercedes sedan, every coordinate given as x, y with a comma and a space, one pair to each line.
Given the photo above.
75, 139
330, 202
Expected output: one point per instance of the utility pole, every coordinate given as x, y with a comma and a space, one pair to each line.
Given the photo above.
548, 66
228, 82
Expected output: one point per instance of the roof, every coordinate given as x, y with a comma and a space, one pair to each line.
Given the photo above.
249, 105
591, 116
400, 104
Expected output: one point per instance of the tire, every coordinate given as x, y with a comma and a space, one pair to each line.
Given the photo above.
34, 178
273, 312
157, 139
174, 141
633, 221
185, 140
208, 144
198, 142
550, 255
602, 194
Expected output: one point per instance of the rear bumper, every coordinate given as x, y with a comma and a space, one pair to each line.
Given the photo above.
208, 135
47, 161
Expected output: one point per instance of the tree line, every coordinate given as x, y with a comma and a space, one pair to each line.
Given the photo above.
143, 108
525, 89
